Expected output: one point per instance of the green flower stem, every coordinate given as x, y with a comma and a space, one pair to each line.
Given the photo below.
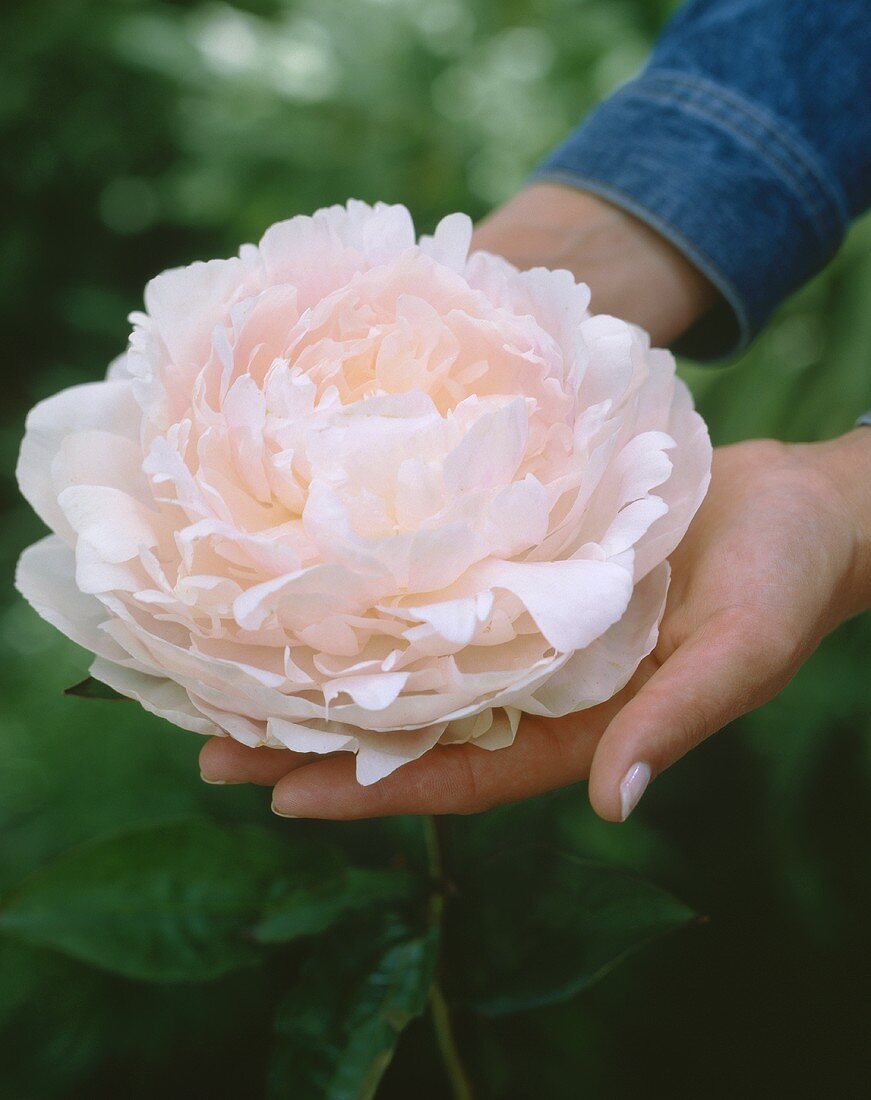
441, 1016
454, 1068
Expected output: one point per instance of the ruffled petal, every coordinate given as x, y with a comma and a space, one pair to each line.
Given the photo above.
156, 695
46, 578
106, 406
595, 674
571, 602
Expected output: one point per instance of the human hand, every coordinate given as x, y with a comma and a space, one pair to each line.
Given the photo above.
632, 271
777, 556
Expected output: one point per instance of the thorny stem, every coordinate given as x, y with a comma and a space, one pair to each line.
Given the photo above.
441, 1016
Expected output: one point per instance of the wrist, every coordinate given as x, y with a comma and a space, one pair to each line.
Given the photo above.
632, 271
846, 463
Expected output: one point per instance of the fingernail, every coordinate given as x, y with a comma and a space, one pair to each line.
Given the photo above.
213, 782
632, 787
278, 813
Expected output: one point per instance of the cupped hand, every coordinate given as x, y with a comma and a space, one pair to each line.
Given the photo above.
777, 556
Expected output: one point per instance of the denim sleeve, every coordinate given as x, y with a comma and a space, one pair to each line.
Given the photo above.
746, 141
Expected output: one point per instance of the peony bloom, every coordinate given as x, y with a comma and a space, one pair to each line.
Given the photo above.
354, 491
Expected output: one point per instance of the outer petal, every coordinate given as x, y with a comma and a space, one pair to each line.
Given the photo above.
105, 406
314, 737
46, 578
380, 232
449, 245
115, 524
158, 696
594, 674
380, 754
685, 489
185, 304
572, 602
344, 240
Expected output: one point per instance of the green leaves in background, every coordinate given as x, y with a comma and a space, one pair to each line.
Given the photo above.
310, 904
533, 926
191, 900
336, 1030
165, 903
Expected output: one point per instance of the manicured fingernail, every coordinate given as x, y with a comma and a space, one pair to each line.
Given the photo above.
213, 782
632, 787
278, 813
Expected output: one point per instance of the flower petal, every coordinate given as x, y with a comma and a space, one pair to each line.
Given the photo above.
113, 523
596, 673
571, 602
158, 696
108, 406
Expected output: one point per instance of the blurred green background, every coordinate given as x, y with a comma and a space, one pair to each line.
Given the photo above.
137, 136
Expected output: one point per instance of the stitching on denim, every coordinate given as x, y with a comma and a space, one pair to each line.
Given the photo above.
772, 127
698, 99
779, 129
809, 197
689, 248
818, 213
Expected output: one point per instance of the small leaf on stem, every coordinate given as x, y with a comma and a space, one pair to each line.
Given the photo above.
89, 688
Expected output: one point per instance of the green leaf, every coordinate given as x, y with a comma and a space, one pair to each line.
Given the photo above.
173, 902
24, 970
336, 1030
89, 688
313, 904
533, 926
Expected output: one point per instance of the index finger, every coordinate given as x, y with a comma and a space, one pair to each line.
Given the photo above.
452, 779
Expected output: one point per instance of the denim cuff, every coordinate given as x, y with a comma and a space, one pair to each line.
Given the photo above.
732, 186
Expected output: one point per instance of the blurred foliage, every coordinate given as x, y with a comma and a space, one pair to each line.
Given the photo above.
138, 135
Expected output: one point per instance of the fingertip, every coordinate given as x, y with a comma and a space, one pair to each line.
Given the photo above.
212, 760
605, 800
615, 796
632, 786
626, 759
326, 789
223, 760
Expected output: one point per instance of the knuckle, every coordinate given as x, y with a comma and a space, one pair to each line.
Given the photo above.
694, 724
466, 793
451, 787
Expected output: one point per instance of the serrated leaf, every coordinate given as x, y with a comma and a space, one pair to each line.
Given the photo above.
172, 902
312, 905
89, 688
336, 1030
533, 926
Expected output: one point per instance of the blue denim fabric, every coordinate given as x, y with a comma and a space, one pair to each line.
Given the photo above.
746, 141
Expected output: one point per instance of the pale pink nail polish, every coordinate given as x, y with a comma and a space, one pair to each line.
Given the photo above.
632, 787
278, 813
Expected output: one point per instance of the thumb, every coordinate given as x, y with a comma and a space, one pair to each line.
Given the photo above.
723, 670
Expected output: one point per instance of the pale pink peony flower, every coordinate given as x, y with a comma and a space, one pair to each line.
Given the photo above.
351, 491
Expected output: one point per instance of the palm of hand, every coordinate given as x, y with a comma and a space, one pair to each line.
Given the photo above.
757, 582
